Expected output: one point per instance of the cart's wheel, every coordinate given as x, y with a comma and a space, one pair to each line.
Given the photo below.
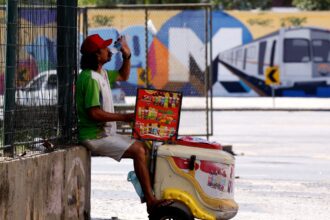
175, 211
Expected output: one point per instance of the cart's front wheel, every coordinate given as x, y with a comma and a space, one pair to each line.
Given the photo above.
175, 211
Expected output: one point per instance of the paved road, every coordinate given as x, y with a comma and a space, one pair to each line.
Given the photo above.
282, 167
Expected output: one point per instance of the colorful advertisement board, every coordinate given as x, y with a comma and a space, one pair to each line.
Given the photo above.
157, 115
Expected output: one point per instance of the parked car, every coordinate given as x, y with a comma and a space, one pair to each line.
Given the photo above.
42, 91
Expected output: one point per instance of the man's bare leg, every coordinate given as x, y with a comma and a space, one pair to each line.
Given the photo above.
139, 153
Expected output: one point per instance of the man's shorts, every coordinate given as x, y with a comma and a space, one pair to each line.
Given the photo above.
111, 146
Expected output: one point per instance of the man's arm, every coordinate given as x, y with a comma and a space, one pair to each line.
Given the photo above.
97, 114
125, 69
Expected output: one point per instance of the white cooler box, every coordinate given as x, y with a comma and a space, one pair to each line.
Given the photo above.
202, 179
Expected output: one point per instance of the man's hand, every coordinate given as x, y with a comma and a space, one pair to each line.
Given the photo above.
125, 69
130, 117
124, 47
97, 114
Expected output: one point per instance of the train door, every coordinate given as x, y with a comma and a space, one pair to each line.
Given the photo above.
261, 57
272, 54
321, 55
297, 60
244, 58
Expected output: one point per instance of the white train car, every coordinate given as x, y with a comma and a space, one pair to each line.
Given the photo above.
301, 57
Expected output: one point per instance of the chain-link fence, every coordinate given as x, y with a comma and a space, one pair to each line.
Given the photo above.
39, 40
38, 44
171, 50
2, 63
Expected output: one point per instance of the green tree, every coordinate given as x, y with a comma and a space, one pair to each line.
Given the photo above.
86, 2
312, 4
223, 4
242, 5
113, 2
176, 1
29, 2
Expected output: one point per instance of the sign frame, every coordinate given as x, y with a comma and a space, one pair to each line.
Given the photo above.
157, 115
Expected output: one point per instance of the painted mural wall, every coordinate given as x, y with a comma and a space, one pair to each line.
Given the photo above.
288, 55
36, 50
254, 53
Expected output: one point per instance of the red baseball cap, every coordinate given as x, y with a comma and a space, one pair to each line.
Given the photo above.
93, 43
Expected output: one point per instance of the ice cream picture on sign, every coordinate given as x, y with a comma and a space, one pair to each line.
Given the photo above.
157, 115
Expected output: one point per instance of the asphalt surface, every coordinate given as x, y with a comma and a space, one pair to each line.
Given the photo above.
282, 167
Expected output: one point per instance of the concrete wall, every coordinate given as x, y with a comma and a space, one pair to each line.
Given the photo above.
49, 186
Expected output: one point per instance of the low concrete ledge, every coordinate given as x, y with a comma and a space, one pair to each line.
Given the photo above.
49, 186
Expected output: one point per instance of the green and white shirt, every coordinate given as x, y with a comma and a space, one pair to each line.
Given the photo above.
93, 89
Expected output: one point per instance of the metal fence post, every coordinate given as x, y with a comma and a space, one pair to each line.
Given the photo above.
85, 23
206, 72
9, 101
66, 64
146, 48
211, 69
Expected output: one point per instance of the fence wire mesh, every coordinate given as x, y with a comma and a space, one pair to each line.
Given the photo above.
170, 47
29, 60
170, 51
2, 67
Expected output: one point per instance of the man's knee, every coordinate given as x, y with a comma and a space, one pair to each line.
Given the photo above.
138, 150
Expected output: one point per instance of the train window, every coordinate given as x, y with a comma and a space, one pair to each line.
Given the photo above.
37, 84
251, 52
244, 61
321, 51
272, 55
296, 51
52, 82
238, 56
261, 57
